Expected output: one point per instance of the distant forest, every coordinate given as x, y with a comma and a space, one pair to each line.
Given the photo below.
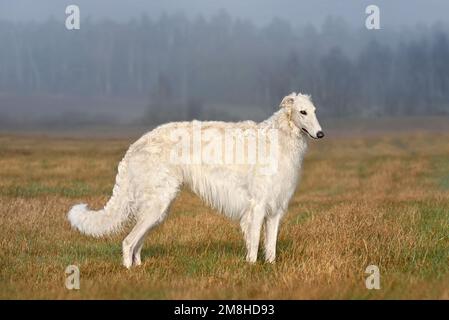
175, 62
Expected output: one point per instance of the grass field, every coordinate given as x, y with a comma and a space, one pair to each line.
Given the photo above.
380, 200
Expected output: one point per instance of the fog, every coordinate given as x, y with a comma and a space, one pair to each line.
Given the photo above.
297, 12
147, 62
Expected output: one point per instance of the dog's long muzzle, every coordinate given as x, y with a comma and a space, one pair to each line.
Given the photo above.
319, 134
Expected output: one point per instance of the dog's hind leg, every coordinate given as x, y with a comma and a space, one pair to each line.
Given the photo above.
133, 243
130, 242
151, 213
137, 261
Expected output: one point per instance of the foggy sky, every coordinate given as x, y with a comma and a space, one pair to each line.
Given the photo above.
395, 13
204, 68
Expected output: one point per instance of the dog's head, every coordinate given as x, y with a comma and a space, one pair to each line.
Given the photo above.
301, 112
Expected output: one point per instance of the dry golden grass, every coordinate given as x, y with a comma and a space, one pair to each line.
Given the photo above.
373, 200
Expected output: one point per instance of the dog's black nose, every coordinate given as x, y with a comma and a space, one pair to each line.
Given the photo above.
320, 134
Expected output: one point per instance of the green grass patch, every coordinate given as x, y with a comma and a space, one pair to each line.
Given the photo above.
37, 189
440, 171
431, 255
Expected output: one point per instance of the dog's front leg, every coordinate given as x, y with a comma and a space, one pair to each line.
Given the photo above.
253, 238
271, 233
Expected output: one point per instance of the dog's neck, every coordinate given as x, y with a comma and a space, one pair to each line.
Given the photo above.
282, 120
290, 134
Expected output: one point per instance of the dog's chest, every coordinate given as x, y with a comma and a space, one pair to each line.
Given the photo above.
286, 179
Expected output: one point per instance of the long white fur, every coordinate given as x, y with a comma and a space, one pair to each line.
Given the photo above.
147, 182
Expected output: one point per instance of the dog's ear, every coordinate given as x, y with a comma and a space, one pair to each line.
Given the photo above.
287, 102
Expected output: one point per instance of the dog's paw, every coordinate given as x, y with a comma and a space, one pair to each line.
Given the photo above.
251, 259
270, 257
127, 262
137, 261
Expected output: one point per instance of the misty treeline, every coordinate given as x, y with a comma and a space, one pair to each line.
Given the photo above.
185, 65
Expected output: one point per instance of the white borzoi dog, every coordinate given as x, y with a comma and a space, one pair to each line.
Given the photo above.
152, 172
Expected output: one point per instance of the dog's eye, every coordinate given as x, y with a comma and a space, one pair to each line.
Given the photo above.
303, 112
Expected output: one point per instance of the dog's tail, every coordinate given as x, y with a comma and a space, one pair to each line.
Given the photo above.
111, 217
